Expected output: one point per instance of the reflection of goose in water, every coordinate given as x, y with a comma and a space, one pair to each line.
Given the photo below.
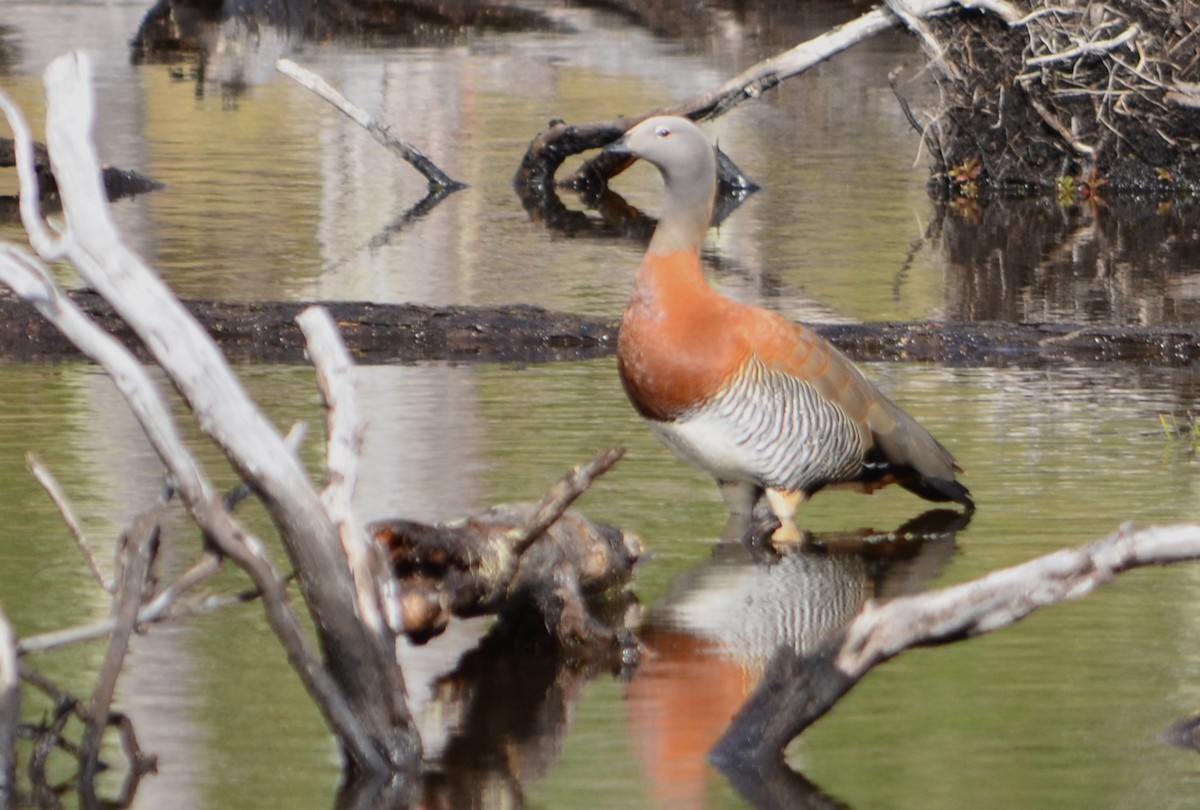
708, 640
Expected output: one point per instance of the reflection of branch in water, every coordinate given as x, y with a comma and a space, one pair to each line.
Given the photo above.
511, 707
778, 786
799, 688
617, 217
710, 638
422, 208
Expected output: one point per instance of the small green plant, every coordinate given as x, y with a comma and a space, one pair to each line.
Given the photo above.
1067, 190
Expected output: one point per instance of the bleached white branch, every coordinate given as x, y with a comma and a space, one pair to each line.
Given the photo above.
362, 692
343, 446
31, 280
797, 690
1009, 595
10, 713
415, 157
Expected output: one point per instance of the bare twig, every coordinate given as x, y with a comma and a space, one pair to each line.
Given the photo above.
1085, 49
1058, 127
50, 484
559, 497
305, 78
796, 691
166, 604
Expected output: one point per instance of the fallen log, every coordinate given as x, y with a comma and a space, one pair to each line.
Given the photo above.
379, 334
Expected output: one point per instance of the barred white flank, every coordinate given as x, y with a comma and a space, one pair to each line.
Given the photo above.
771, 428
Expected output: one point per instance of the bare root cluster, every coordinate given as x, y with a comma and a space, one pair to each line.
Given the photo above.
1081, 96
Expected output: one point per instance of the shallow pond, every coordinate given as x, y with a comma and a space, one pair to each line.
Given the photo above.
272, 195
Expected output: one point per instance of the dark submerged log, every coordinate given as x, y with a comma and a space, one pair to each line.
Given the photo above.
265, 332
118, 183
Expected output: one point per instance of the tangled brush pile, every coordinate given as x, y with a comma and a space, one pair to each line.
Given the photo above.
1071, 96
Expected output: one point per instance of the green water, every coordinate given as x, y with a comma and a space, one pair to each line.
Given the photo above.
271, 195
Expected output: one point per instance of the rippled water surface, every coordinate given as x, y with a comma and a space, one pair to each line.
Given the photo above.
272, 195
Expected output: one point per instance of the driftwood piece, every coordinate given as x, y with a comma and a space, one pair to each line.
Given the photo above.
437, 179
548, 150
515, 560
798, 690
361, 693
265, 332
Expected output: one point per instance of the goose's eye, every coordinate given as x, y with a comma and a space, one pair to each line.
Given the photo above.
663, 132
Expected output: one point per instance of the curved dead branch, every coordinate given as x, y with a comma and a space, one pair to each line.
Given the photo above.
797, 690
549, 149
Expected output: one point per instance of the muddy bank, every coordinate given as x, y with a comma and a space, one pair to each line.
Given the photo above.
265, 332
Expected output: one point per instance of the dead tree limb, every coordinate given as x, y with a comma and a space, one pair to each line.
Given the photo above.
548, 150
361, 694
30, 280
376, 589
563, 494
798, 690
168, 603
438, 180
136, 553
